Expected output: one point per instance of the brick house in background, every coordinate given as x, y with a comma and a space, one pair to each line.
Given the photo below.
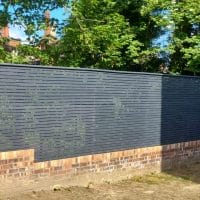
10, 44
49, 39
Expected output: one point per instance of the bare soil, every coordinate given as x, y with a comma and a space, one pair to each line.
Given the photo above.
181, 184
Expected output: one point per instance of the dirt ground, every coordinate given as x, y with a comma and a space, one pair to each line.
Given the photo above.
181, 184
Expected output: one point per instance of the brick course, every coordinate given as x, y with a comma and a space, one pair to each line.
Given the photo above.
20, 164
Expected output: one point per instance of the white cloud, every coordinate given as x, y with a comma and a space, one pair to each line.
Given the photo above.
17, 32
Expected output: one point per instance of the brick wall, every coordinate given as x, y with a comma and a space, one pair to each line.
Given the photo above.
14, 43
20, 164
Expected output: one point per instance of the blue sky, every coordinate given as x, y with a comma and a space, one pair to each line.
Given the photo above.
17, 32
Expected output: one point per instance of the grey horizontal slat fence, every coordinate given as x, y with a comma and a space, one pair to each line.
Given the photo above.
71, 112
65, 113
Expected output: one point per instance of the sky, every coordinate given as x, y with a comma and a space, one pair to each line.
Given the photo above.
17, 32
162, 40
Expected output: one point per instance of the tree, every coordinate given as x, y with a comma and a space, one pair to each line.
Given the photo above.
186, 36
115, 34
183, 18
98, 36
110, 34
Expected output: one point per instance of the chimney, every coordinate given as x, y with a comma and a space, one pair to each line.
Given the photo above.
49, 31
47, 22
5, 32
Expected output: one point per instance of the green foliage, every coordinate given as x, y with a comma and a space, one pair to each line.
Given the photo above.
186, 35
31, 53
192, 54
112, 34
183, 19
25, 54
100, 37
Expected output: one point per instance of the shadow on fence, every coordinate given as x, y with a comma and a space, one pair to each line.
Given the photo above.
180, 122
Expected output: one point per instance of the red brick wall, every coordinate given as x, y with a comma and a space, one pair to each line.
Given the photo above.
5, 32
14, 43
20, 164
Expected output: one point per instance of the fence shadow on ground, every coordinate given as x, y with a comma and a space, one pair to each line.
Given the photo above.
188, 171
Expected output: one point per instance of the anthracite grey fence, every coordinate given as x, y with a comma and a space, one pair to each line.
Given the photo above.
62, 112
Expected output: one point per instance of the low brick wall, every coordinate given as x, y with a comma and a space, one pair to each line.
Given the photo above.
20, 164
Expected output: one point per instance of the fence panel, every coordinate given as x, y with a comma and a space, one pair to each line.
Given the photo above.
65, 112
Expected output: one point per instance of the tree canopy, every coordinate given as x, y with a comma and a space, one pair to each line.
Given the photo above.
112, 34
183, 20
